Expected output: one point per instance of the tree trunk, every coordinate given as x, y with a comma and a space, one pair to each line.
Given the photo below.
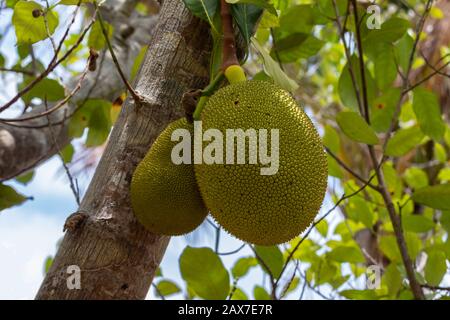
116, 255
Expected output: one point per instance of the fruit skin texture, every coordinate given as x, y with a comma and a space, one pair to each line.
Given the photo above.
165, 196
271, 209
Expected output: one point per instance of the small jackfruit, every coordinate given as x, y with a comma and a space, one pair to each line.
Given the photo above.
164, 196
263, 209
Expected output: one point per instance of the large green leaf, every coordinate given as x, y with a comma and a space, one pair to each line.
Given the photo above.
204, 272
296, 46
391, 30
356, 128
9, 197
436, 267
428, 113
417, 223
29, 26
204, 9
403, 141
384, 66
246, 17
437, 197
272, 258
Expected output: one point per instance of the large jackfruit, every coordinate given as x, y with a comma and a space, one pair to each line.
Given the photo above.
264, 209
165, 196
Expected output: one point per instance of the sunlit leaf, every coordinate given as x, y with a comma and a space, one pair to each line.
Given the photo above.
204, 272
356, 128
437, 196
29, 23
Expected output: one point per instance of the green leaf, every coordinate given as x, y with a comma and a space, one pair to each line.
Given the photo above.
346, 254
166, 288
384, 66
246, 17
392, 279
444, 175
358, 210
440, 153
383, 108
259, 293
359, 294
416, 178
264, 4
436, 197
435, 267
239, 295
356, 128
204, 9
67, 153
273, 69
46, 89
403, 50
273, 259
391, 30
334, 169
403, 141
417, 223
29, 29
96, 38
346, 88
94, 114
204, 272
428, 113
296, 46
25, 178
99, 122
9, 197
322, 227
331, 139
290, 23
242, 266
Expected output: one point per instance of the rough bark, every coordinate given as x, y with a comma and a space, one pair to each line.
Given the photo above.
117, 257
21, 149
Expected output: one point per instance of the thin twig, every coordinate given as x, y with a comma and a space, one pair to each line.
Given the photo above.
351, 171
137, 98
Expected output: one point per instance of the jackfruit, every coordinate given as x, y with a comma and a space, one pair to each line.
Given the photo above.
263, 209
164, 196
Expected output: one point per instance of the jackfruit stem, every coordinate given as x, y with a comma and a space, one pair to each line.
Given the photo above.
198, 110
229, 56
